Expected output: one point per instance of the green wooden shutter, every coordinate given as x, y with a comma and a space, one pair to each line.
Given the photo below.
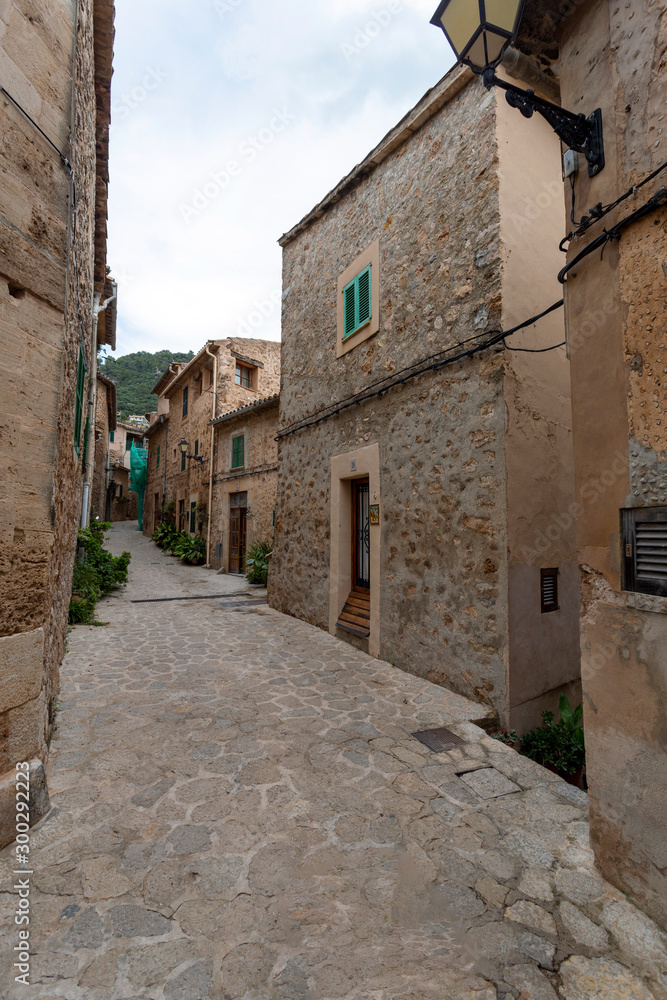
80, 391
364, 296
349, 300
238, 452
357, 302
157, 460
112, 436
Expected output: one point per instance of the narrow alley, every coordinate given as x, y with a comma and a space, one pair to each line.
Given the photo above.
240, 810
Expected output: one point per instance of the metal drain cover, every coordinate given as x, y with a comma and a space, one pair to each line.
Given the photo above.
439, 740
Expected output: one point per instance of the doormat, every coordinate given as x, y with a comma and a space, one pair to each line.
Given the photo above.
439, 740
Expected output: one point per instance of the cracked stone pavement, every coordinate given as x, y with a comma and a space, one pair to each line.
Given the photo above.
240, 812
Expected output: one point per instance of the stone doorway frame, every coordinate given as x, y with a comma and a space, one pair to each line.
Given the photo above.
353, 465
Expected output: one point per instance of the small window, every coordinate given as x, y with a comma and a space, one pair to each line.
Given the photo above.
549, 590
112, 437
183, 457
80, 391
197, 447
645, 550
238, 499
238, 452
243, 376
157, 459
185, 402
120, 491
128, 443
357, 303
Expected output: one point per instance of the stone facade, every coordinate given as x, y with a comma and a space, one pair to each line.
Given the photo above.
454, 590
52, 273
251, 488
105, 426
124, 503
209, 382
615, 57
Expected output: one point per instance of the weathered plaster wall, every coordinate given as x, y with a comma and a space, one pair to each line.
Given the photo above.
615, 56
258, 479
541, 528
433, 204
46, 290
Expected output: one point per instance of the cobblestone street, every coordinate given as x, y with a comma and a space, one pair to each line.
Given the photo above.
240, 812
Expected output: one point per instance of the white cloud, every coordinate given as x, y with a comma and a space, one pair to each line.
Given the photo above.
230, 123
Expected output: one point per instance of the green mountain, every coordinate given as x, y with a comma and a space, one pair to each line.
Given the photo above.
135, 375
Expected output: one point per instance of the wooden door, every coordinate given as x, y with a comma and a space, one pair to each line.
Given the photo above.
237, 539
361, 538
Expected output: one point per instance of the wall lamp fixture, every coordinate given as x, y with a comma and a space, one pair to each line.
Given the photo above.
480, 31
183, 445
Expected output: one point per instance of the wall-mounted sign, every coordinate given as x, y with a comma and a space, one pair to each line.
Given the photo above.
374, 513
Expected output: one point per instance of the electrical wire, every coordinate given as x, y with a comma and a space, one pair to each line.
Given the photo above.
428, 364
656, 201
41, 131
599, 211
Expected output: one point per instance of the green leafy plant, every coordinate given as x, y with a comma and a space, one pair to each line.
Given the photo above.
559, 745
257, 563
506, 736
96, 573
190, 549
164, 535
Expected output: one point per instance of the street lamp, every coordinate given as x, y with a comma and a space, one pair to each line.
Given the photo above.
480, 31
183, 445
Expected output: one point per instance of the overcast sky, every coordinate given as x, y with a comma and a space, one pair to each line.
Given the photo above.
230, 120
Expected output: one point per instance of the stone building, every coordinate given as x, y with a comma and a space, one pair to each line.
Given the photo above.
128, 435
245, 477
223, 376
405, 503
614, 57
105, 429
55, 72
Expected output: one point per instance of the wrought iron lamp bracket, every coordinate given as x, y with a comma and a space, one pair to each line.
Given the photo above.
578, 132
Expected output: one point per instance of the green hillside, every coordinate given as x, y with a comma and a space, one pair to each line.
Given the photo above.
135, 375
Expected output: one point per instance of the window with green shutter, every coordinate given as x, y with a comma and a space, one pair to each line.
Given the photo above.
238, 452
112, 437
79, 404
185, 401
357, 307
157, 460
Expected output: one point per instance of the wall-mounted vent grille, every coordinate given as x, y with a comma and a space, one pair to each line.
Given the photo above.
549, 590
645, 550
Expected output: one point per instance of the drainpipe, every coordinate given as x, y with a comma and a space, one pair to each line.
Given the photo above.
214, 408
92, 395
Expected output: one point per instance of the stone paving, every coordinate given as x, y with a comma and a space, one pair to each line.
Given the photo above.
240, 812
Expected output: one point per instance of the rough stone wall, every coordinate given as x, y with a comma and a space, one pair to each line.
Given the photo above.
259, 479
615, 55
433, 204
46, 292
98, 505
193, 482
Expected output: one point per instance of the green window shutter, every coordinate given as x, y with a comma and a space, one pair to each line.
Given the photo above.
197, 446
357, 302
364, 287
80, 390
86, 432
238, 452
112, 437
349, 300
185, 401
157, 460
182, 461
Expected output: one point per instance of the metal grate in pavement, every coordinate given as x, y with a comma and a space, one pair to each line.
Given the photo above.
242, 604
439, 740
